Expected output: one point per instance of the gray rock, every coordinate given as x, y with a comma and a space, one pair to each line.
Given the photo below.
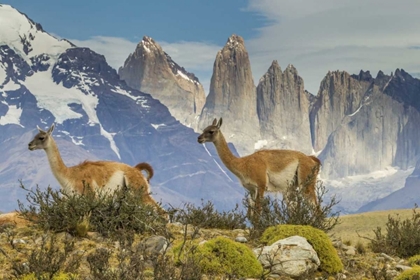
387, 257
292, 256
154, 245
401, 267
241, 239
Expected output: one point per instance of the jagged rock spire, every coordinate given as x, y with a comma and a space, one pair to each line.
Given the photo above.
232, 95
283, 109
150, 69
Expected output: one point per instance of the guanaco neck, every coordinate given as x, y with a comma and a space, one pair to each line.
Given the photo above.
57, 165
225, 154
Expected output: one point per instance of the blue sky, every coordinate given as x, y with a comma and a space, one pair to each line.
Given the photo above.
315, 36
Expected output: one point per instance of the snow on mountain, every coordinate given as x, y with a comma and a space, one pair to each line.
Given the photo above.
356, 191
27, 37
44, 80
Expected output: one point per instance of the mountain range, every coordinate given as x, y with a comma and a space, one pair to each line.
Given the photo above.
152, 109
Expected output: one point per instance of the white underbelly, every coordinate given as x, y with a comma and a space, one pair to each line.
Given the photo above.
116, 181
279, 181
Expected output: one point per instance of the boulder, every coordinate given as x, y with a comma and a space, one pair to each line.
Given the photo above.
292, 256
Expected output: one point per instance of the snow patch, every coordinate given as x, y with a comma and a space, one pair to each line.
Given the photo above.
55, 98
260, 144
110, 137
17, 28
139, 99
12, 116
184, 76
11, 86
356, 191
387, 83
156, 126
355, 112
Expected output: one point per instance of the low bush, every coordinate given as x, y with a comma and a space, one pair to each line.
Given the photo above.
330, 261
409, 274
294, 208
106, 213
223, 257
401, 237
414, 260
207, 216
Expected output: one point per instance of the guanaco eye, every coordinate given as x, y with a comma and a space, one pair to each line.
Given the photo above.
41, 138
211, 131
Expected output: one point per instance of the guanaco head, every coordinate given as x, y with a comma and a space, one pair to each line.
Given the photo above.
42, 139
211, 132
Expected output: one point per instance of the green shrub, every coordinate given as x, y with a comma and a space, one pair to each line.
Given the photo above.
222, 256
207, 216
295, 209
103, 212
330, 262
414, 260
409, 274
401, 238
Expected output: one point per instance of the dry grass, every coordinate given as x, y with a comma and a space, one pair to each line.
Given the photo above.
364, 224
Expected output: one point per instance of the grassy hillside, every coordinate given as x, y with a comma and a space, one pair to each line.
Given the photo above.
364, 224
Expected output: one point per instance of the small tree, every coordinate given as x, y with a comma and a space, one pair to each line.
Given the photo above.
294, 208
401, 237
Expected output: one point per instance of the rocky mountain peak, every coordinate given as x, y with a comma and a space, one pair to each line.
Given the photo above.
380, 75
291, 69
147, 45
232, 96
235, 41
283, 109
363, 76
274, 65
150, 69
25, 36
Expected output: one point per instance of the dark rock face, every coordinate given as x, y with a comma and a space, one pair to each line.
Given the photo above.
150, 69
363, 124
283, 109
232, 96
339, 95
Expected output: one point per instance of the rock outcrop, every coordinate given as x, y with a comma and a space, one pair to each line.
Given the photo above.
363, 124
232, 96
150, 69
339, 95
283, 109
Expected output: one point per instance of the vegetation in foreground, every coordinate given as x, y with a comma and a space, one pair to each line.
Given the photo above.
115, 236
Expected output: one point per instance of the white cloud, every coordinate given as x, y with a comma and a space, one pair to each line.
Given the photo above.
195, 57
321, 35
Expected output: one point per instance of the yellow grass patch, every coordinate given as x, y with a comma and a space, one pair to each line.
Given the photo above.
365, 223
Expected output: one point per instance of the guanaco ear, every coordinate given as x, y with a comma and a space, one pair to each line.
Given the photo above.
220, 123
51, 129
40, 129
214, 122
